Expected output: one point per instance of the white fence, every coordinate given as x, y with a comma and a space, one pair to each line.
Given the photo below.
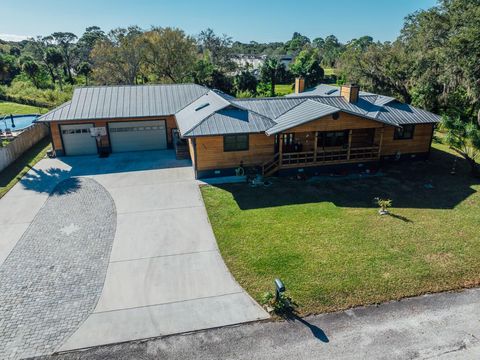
21, 143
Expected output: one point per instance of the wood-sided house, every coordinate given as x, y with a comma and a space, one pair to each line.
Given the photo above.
307, 131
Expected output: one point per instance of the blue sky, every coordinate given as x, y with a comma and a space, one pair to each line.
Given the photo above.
244, 20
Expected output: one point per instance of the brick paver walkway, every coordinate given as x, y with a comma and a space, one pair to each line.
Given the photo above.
53, 278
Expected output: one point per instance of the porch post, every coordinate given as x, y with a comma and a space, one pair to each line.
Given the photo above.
280, 149
315, 144
349, 143
381, 142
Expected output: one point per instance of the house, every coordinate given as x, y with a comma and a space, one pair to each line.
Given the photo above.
308, 131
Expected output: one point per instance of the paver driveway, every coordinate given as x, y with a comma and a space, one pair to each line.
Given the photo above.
165, 274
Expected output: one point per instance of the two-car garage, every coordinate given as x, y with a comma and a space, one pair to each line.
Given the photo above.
122, 136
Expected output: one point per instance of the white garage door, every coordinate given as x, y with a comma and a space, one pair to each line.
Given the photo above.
77, 139
138, 135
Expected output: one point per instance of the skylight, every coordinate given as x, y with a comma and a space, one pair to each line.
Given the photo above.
203, 106
330, 92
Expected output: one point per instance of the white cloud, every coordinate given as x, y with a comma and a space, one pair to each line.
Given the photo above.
14, 37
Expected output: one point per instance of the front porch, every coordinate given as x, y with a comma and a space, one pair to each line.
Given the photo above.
316, 148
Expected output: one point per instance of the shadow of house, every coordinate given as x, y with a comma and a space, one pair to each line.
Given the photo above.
411, 184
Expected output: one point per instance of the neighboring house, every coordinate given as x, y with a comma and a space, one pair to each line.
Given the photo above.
254, 62
305, 131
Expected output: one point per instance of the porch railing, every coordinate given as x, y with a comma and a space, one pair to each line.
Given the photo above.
330, 156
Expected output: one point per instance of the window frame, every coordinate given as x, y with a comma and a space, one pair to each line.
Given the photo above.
401, 135
236, 136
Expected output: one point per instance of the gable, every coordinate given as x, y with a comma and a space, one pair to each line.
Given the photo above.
344, 121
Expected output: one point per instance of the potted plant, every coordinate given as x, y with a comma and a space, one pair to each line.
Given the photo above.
384, 204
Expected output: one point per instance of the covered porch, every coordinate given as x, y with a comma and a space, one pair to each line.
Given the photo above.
316, 148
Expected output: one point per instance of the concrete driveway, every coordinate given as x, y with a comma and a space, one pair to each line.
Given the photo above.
165, 274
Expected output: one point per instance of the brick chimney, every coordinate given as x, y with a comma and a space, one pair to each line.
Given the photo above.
299, 85
350, 92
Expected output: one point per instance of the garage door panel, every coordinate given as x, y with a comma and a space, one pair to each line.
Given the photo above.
77, 139
138, 135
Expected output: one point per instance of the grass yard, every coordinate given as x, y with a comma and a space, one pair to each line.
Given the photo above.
329, 71
326, 241
12, 174
7, 108
283, 89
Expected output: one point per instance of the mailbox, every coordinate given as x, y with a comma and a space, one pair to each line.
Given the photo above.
279, 287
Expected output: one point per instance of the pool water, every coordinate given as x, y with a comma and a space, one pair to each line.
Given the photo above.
20, 122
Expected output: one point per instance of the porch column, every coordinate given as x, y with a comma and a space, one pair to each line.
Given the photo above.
381, 142
349, 143
315, 147
280, 149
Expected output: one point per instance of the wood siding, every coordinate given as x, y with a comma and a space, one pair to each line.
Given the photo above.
210, 154
420, 143
56, 136
344, 122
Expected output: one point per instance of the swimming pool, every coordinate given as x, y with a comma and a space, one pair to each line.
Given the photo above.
20, 122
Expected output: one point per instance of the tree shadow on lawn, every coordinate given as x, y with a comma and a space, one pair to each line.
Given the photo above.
425, 184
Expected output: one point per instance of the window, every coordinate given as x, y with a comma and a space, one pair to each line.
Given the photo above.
405, 132
235, 142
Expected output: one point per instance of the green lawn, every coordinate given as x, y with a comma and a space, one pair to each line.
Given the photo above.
283, 89
326, 241
7, 108
329, 71
12, 174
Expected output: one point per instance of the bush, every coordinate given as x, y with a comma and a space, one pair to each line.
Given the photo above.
25, 92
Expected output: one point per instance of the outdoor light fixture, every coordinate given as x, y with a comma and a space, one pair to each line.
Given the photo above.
279, 288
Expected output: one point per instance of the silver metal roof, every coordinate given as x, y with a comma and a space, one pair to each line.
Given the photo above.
231, 121
200, 111
107, 102
304, 112
191, 116
269, 107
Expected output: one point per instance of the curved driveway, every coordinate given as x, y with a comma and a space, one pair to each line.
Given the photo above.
53, 278
165, 274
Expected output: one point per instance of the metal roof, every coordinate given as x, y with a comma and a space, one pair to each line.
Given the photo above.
107, 102
200, 111
231, 121
191, 115
269, 107
304, 112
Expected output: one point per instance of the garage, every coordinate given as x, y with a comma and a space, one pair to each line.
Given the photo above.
138, 135
77, 139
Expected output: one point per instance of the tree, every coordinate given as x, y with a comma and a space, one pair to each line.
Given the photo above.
270, 71
87, 42
54, 59
31, 68
170, 54
245, 81
307, 66
464, 138
85, 69
119, 58
203, 72
8, 68
64, 42
219, 49
297, 43
382, 68
39, 47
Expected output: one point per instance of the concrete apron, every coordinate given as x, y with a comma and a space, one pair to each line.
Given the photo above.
166, 275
